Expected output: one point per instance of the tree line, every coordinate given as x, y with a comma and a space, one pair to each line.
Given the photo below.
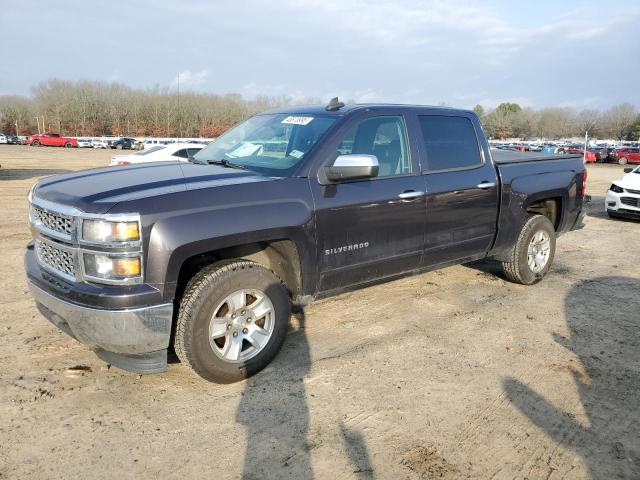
510, 120
88, 108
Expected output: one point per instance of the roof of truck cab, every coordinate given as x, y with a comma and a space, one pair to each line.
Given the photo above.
321, 109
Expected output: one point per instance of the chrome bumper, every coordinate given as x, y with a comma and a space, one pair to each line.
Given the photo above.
127, 333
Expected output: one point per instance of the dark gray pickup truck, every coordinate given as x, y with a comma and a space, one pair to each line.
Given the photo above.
207, 257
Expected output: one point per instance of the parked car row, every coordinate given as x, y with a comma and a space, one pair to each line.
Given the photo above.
621, 155
9, 139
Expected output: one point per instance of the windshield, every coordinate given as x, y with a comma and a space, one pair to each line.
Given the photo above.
271, 144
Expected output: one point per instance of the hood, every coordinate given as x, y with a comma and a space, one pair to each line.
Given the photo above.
98, 190
630, 181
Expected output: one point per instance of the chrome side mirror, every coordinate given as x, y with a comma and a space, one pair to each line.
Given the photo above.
352, 167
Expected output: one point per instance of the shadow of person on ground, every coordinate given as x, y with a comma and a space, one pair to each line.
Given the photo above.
603, 316
357, 452
275, 413
26, 173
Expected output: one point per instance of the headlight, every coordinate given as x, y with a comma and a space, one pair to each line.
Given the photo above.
615, 188
111, 267
102, 231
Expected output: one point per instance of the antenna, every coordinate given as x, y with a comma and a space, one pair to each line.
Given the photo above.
334, 105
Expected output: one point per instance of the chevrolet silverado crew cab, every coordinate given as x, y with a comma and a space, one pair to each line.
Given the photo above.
207, 257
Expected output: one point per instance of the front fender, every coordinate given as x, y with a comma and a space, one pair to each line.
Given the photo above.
185, 233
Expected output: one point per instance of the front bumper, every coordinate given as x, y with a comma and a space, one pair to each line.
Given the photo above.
135, 339
625, 204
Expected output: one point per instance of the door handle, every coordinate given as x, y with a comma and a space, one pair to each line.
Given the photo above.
410, 194
486, 185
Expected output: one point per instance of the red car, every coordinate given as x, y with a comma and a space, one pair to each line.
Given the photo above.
589, 157
627, 155
51, 139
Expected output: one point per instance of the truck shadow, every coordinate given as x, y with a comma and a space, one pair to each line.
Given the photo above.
603, 315
276, 415
26, 173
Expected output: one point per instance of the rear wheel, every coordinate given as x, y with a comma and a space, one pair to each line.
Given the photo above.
35, 143
622, 161
532, 255
68, 145
232, 321
118, 147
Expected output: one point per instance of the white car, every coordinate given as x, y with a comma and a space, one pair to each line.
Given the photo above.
159, 153
623, 196
101, 143
3, 138
150, 143
84, 143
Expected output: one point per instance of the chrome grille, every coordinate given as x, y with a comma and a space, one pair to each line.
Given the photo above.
632, 202
59, 259
635, 192
56, 222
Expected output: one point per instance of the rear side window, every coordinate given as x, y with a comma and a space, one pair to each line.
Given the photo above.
450, 142
181, 153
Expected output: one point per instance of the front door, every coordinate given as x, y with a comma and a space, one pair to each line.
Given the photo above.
374, 228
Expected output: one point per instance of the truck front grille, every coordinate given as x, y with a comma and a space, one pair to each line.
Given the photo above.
56, 257
631, 201
56, 222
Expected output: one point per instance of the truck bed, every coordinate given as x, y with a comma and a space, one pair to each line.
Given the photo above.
509, 156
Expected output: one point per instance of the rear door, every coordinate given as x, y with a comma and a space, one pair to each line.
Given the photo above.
373, 228
461, 187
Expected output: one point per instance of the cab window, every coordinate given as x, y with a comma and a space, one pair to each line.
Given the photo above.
386, 138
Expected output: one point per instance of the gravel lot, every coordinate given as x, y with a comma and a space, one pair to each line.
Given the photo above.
450, 374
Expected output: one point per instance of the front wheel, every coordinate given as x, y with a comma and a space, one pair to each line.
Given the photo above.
532, 255
35, 143
232, 321
622, 161
68, 145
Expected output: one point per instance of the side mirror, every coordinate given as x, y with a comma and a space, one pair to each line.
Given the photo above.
628, 170
352, 167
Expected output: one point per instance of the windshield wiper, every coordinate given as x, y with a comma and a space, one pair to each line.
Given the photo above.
227, 163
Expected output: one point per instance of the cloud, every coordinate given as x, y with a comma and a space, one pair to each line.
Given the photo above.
457, 52
191, 78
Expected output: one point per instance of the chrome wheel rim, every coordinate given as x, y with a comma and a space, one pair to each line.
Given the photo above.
539, 251
241, 325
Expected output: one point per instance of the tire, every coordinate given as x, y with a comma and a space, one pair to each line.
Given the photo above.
68, 145
622, 161
35, 143
517, 268
118, 147
206, 296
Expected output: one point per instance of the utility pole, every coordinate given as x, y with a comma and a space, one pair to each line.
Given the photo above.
17, 132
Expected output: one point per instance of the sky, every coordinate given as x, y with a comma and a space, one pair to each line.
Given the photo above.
539, 53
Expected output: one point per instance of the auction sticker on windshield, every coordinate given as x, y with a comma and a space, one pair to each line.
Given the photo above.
297, 120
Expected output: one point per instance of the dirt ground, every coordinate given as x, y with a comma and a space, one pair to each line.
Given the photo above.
450, 374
